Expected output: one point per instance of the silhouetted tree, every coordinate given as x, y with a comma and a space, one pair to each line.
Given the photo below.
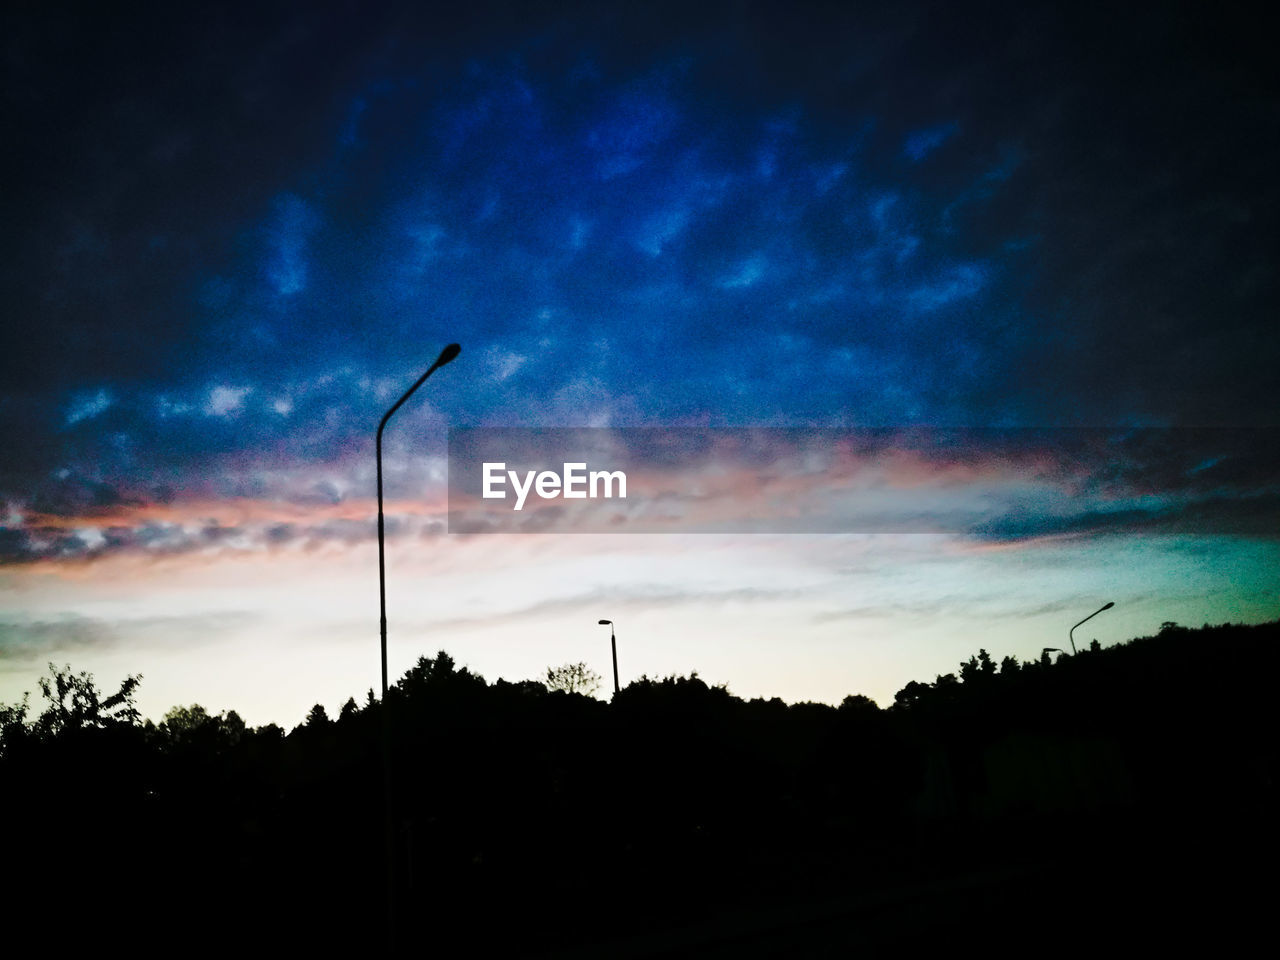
13, 723
194, 728
977, 669
233, 725
435, 675
856, 704
525, 688
573, 678
912, 693
75, 703
701, 797
180, 721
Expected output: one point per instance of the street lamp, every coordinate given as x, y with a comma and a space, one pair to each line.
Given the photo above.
447, 354
1052, 650
613, 642
1106, 606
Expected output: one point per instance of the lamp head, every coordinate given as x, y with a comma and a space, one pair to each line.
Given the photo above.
1109, 605
447, 354
605, 623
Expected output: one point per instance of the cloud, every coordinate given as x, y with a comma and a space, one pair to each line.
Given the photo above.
89, 407
27, 641
293, 224
626, 218
640, 598
226, 401
1010, 484
920, 143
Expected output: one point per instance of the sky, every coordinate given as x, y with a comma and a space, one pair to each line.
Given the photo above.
235, 234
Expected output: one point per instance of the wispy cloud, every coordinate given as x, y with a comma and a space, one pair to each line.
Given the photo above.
26, 641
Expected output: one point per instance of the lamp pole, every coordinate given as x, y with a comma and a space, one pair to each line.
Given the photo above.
447, 354
1106, 606
613, 642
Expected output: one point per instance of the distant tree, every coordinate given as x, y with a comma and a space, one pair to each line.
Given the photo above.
977, 668
912, 693
946, 683
1009, 665
13, 723
185, 720
233, 725
675, 696
573, 678
438, 672
75, 703
349, 710
194, 725
523, 688
856, 704
317, 718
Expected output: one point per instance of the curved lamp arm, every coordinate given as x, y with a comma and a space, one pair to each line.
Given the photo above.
1106, 606
447, 354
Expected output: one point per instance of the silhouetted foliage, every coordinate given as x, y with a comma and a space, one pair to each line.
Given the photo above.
317, 718
676, 801
194, 728
857, 704
75, 703
573, 678
13, 723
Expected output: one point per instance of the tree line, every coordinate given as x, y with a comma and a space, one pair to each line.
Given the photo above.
531, 817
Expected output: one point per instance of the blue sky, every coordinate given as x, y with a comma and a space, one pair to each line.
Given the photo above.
236, 238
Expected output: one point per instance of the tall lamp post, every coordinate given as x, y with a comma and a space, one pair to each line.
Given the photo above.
1106, 606
613, 642
447, 354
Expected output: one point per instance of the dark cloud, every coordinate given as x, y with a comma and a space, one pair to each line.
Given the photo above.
236, 236
29, 640
1001, 484
638, 598
985, 482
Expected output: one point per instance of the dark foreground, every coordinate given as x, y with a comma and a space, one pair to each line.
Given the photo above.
1122, 797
